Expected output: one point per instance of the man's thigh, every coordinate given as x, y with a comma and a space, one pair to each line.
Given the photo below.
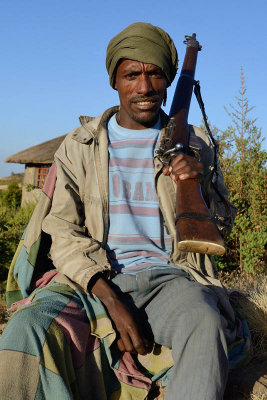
167, 302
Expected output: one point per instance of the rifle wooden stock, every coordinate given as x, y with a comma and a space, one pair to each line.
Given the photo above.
196, 231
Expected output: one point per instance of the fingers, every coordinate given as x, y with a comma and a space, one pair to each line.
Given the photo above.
120, 345
184, 167
167, 170
132, 342
129, 338
139, 343
125, 344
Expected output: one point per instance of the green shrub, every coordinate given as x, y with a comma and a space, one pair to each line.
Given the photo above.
243, 163
13, 221
11, 197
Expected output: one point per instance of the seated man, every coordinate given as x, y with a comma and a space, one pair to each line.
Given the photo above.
120, 285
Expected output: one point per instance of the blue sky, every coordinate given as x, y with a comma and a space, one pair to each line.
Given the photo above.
52, 66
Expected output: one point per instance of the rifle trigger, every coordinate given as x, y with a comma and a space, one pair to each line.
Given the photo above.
169, 154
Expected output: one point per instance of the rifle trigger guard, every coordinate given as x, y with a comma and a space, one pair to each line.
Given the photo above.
169, 154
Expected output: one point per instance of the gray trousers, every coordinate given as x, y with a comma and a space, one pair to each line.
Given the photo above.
175, 311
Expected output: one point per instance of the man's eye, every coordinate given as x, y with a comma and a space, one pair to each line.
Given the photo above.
156, 74
131, 75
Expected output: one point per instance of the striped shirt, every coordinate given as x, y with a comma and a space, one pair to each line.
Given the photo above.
137, 238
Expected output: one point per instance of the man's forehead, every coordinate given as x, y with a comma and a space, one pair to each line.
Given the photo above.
127, 64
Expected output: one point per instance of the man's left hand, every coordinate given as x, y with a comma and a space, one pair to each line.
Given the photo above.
184, 167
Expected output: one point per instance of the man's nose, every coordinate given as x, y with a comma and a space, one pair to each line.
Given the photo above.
144, 84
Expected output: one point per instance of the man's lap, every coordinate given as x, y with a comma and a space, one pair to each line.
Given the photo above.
175, 311
165, 300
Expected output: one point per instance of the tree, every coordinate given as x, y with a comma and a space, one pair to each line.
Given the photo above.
243, 162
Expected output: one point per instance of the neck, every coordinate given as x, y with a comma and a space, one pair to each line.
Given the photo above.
135, 125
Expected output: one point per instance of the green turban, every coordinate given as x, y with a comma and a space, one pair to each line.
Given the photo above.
145, 43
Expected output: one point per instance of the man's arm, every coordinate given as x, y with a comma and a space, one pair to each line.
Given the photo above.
73, 251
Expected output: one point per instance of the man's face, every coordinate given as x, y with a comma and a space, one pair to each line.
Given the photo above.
141, 89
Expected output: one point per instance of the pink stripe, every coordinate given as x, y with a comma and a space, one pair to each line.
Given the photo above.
40, 280
43, 279
143, 254
142, 143
129, 374
128, 209
77, 331
132, 239
50, 181
141, 266
131, 163
133, 172
19, 304
153, 204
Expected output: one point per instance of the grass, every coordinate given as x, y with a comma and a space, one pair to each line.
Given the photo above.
253, 305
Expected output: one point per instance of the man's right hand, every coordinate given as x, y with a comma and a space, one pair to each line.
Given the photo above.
129, 337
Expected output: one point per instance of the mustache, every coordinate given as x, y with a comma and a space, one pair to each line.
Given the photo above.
152, 99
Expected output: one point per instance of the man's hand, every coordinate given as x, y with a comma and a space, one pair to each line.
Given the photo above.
129, 337
184, 167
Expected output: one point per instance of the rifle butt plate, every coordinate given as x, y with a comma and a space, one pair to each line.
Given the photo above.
197, 246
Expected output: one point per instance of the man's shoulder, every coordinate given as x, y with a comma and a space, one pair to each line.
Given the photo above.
201, 145
200, 135
200, 140
90, 126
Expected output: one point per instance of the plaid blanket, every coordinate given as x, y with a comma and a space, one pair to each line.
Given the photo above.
66, 348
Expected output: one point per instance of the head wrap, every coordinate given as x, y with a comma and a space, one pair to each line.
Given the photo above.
145, 43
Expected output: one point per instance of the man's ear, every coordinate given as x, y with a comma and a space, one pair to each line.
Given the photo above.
165, 98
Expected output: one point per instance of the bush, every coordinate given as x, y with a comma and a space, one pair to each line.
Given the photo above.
13, 221
11, 197
243, 163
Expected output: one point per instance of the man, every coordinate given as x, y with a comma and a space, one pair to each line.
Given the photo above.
113, 237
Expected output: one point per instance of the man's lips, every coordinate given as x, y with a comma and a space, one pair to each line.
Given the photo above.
150, 100
146, 103
142, 103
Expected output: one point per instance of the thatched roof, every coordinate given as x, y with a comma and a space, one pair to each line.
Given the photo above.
40, 154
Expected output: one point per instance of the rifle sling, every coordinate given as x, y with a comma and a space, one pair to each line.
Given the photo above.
215, 145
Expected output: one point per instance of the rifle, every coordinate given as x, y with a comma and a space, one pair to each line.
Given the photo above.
195, 227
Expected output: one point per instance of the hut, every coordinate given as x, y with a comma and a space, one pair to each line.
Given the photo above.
37, 160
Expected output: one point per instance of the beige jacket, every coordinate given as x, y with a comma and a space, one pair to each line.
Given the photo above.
79, 218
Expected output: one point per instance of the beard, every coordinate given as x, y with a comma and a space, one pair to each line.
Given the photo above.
144, 115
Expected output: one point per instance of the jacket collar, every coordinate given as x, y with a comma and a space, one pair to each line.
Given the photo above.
91, 126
